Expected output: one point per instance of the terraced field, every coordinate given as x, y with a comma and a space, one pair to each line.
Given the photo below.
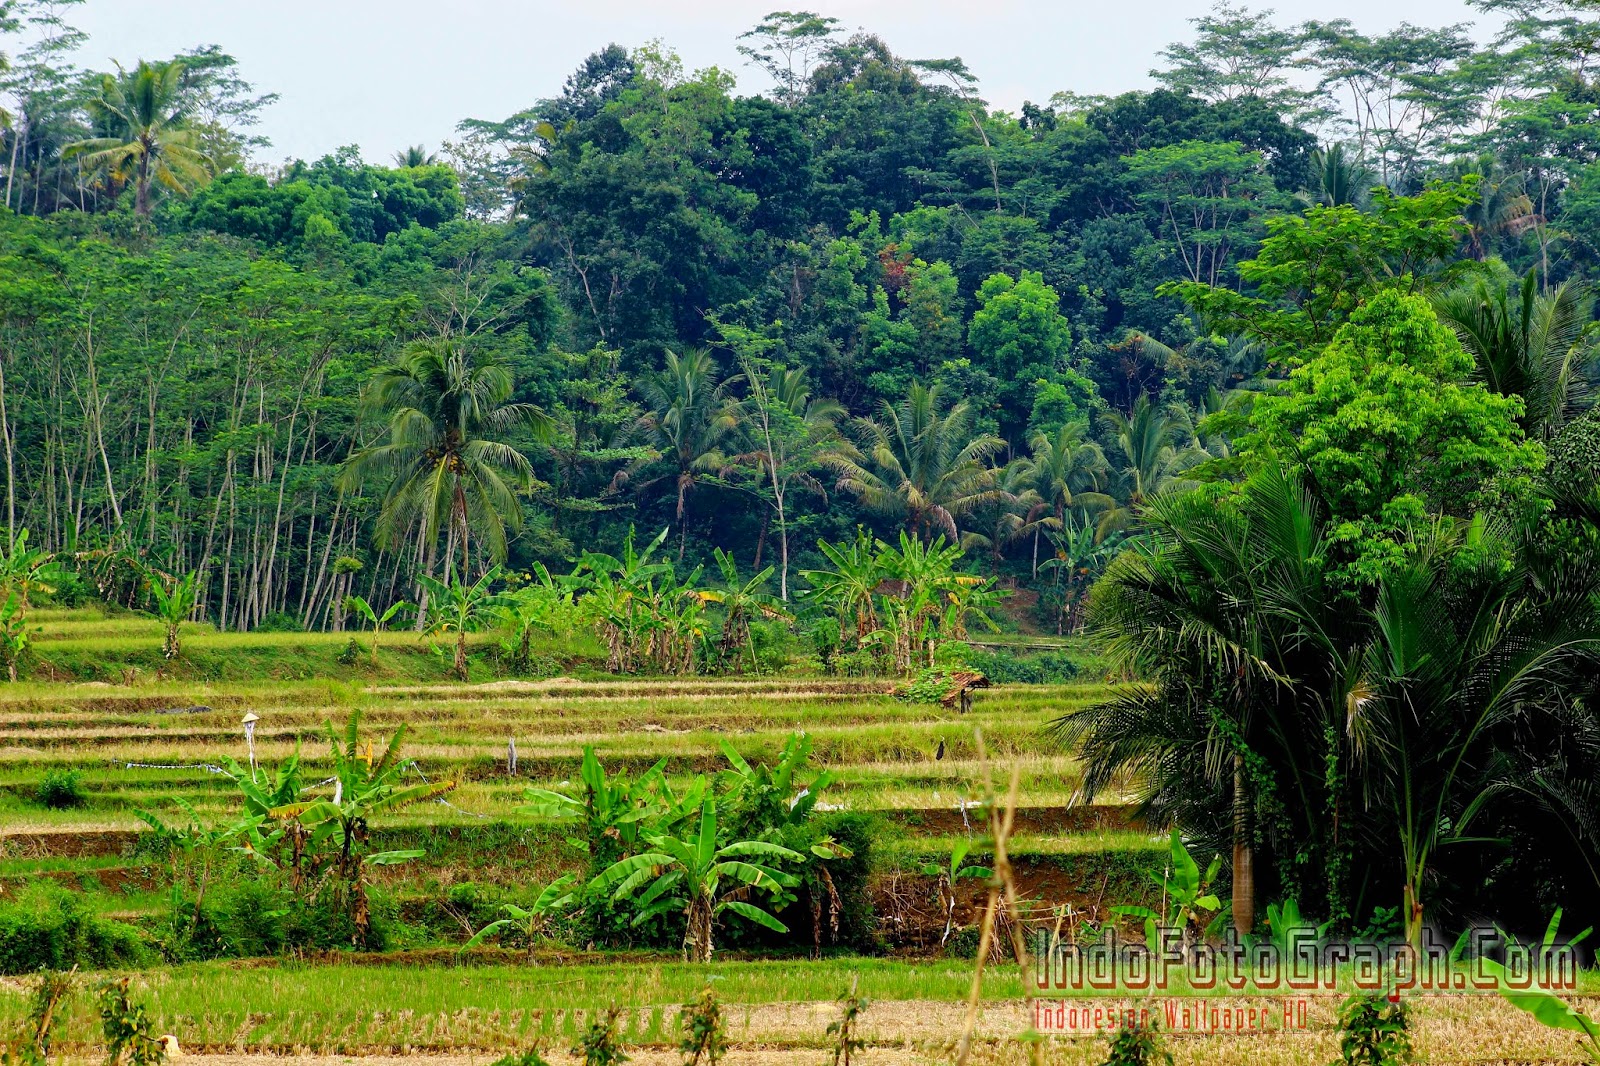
913, 769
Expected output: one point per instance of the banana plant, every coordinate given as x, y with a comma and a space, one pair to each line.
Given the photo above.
948, 876
554, 900
359, 606
363, 787
1187, 896
25, 570
613, 811
1547, 1008
278, 842
174, 604
193, 850
459, 608
15, 633
741, 601
694, 876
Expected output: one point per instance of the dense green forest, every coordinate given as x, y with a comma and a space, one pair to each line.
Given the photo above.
861, 298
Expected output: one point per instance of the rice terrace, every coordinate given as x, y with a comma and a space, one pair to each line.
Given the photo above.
680, 534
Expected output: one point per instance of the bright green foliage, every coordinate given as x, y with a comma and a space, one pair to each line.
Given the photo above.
903, 600
1191, 904
1314, 270
28, 571
1019, 335
1390, 428
696, 876
549, 904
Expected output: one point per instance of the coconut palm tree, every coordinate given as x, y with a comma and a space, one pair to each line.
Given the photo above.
1526, 343
1502, 205
144, 134
1147, 449
1358, 734
1067, 470
920, 464
688, 419
1339, 179
449, 464
415, 155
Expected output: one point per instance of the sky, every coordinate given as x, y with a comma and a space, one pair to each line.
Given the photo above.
384, 74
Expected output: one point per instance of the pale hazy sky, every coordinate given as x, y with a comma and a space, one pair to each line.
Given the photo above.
387, 73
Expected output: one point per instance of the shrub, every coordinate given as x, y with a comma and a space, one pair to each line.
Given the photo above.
351, 654
60, 790
1374, 1031
704, 1033
1137, 1045
49, 927
1043, 668
601, 1044
772, 646
129, 1040
279, 622
858, 924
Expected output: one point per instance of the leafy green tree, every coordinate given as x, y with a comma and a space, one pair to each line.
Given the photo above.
693, 875
1236, 54
450, 463
1314, 270
1389, 427
920, 464
143, 133
1207, 196
1019, 335
790, 433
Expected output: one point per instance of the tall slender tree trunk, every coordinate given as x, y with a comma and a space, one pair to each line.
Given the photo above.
1244, 869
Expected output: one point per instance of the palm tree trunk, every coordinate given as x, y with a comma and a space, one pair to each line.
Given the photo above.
1244, 870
